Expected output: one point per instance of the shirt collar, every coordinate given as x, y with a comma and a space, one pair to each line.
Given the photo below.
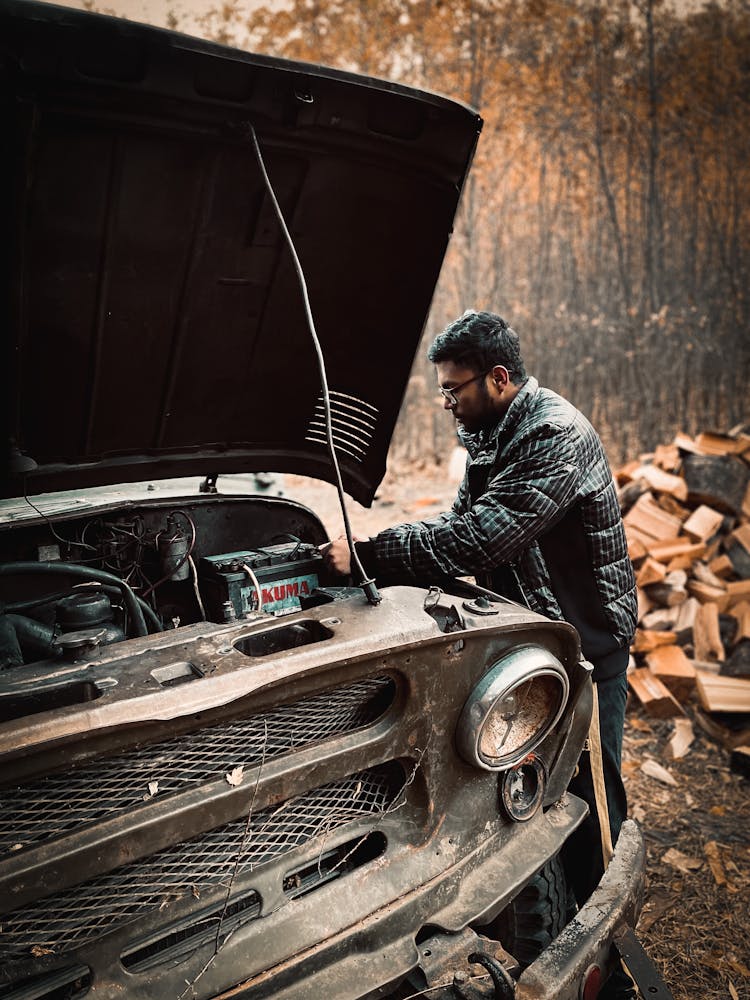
488, 440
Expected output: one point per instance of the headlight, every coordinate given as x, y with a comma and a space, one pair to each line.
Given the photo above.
512, 709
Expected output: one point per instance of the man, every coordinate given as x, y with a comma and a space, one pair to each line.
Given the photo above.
536, 519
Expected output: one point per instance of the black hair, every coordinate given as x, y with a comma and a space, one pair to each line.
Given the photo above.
478, 341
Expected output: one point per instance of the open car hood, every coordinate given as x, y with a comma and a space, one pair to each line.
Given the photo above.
157, 323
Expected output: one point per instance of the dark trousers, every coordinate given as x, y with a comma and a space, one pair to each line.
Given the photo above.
582, 853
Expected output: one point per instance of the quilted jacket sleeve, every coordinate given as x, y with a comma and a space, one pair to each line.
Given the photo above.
536, 483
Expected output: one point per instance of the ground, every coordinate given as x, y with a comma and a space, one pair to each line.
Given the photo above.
696, 921
696, 817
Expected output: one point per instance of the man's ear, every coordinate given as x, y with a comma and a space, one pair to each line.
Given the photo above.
500, 376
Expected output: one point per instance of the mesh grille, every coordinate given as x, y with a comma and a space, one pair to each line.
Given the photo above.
59, 803
175, 940
190, 870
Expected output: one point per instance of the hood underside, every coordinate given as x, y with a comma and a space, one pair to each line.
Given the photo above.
157, 322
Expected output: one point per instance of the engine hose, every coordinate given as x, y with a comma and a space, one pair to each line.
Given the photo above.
10, 650
505, 987
32, 635
71, 569
149, 613
21, 606
36, 602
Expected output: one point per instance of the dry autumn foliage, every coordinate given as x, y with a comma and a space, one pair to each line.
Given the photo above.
606, 214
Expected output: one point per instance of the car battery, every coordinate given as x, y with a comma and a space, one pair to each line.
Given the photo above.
284, 573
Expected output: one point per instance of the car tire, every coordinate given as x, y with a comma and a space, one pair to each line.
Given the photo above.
536, 916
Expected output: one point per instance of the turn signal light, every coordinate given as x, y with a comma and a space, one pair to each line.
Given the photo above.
591, 983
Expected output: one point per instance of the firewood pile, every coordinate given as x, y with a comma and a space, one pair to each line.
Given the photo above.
686, 509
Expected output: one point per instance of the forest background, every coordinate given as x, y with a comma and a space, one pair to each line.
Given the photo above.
606, 216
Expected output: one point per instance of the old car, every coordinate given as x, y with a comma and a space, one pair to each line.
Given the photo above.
223, 773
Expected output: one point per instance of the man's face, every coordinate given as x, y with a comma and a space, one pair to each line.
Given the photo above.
474, 409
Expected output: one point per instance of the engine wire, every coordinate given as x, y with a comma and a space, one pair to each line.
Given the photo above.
254, 578
367, 585
65, 541
191, 563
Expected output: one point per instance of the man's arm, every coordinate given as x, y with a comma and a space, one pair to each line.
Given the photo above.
337, 553
521, 502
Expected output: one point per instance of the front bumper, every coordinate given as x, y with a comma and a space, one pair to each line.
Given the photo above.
351, 964
587, 940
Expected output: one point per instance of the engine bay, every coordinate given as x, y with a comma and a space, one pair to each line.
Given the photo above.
73, 583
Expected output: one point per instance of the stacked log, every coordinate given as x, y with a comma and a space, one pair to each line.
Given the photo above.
686, 509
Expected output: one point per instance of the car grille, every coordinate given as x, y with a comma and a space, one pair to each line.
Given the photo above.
173, 941
69, 983
192, 869
59, 803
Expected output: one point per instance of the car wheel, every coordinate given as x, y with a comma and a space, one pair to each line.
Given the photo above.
536, 916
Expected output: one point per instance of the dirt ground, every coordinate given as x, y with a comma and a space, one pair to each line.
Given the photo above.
694, 811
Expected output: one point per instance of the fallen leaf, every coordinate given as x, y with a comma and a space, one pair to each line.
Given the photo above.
171, 897
235, 776
712, 963
718, 810
38, 950
640, 724
654, 909
654, 770
733, 992
682, 862
153, 788
711, 850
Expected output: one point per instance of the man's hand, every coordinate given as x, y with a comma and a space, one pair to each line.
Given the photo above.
337, 555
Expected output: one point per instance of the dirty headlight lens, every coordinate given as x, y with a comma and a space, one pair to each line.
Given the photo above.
512, 709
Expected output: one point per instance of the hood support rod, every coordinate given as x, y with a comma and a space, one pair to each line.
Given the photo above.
367, 585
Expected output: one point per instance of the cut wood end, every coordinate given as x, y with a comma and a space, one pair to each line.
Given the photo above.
681, 739
723, 694
656, 699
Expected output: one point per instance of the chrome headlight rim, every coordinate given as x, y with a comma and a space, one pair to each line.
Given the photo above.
506, 675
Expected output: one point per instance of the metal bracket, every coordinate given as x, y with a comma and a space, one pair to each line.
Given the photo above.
642, 970
448, 963
447, 616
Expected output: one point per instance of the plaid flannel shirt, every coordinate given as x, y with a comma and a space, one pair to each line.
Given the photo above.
542, 459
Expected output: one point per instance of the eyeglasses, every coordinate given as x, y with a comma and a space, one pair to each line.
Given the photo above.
450, 394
